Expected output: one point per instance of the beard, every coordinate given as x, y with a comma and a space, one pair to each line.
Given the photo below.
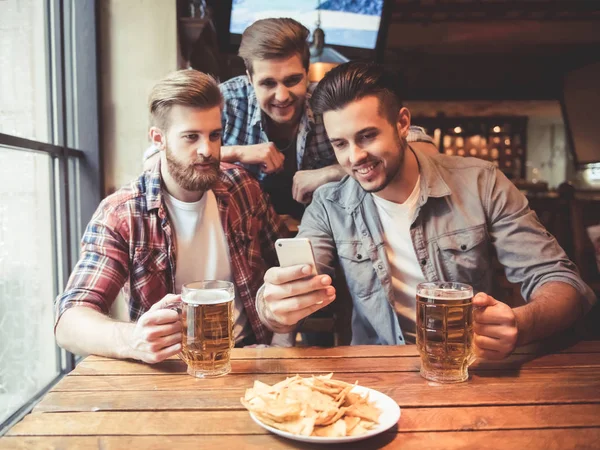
188, 177
402, 146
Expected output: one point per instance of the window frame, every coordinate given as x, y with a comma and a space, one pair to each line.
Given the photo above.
73, 107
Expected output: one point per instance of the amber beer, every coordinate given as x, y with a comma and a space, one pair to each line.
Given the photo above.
445, 330
207, 318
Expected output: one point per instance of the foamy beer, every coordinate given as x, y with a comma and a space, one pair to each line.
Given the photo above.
445, 330
207, 317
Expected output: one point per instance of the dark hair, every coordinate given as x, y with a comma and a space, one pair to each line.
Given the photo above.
185, 87
274, 39
355, 80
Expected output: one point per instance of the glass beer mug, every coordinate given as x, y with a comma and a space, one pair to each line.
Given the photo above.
445, 330
207, 319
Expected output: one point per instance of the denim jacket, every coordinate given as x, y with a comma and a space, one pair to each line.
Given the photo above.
466, 209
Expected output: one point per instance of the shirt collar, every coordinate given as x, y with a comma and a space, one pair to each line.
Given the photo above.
431, 183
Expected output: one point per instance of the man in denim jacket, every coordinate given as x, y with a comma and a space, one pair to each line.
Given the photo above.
402, 217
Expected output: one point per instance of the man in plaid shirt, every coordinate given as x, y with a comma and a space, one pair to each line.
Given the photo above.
187, 219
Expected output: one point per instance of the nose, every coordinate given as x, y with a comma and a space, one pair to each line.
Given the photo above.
356, 154
282, 94
203, 148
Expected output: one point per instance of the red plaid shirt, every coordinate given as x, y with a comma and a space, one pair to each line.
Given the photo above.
129, 243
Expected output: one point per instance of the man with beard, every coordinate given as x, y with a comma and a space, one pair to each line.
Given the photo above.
188, 219
401, 217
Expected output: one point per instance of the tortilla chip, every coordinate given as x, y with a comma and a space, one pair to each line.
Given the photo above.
337, 429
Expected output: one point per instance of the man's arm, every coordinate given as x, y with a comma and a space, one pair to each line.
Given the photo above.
553, 307
265, 155
288, 295
155, 337
530, 255
307, 181
82, 322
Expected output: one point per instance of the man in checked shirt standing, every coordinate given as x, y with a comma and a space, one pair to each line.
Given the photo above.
190, 218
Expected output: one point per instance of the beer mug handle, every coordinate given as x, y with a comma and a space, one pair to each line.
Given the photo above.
177, 307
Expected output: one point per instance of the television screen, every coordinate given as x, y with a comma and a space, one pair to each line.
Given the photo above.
349, 23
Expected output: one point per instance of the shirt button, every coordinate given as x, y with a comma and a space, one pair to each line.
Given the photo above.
359, 256
463, 247
364, 233
423, 261
380, 266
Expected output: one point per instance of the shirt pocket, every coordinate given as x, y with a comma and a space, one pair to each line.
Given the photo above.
465, 255
357, 267
149, 276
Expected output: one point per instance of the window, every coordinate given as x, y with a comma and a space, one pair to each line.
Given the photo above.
49, 172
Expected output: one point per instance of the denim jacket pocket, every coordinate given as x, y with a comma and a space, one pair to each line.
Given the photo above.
357, 267
465, 255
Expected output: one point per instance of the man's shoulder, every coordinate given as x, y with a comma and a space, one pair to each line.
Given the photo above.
236, 179
129, 199
455, 164
237, 88
334, 191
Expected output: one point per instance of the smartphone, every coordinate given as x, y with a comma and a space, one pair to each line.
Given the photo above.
295, 251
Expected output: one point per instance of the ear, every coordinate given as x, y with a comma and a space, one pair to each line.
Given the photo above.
403, 122
157, 137
248, 75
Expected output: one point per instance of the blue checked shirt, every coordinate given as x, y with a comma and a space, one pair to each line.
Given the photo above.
243, 125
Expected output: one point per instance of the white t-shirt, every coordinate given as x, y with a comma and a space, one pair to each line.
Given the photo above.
201, 249
396, 219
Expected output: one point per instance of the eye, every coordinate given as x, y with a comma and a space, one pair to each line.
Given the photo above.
368, 136
268, 84
215, 136
338, 145
293, 81
192, 137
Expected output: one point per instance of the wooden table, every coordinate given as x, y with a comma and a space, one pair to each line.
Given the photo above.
547, 402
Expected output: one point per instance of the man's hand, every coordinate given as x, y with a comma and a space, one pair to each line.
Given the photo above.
291, 294
495, 327
265, 154
307, 181
157, 334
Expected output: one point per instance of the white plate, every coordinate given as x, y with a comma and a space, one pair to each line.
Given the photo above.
390, 414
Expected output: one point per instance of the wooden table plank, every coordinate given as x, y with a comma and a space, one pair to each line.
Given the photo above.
338, 365
423, 394
581, 376
548, 439
239, 422
369, 351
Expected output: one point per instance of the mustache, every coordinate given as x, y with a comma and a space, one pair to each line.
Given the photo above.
207, 160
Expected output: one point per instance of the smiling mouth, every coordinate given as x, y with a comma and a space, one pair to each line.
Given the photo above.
366, 170
282, 106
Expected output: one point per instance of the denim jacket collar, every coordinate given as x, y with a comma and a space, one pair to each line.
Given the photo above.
351, 195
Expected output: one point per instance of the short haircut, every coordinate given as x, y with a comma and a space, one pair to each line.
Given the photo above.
186, 87
274, 39
355, 80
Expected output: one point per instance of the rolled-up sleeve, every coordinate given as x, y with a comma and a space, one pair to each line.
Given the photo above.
529, 253
102, 268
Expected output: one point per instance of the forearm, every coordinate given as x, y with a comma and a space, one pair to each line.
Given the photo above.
230, 153
553, 307
82, 330
330, 173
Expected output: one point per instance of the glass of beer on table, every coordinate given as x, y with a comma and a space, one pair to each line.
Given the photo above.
445, 330
207, 319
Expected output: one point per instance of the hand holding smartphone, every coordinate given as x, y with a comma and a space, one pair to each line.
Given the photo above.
295, 251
